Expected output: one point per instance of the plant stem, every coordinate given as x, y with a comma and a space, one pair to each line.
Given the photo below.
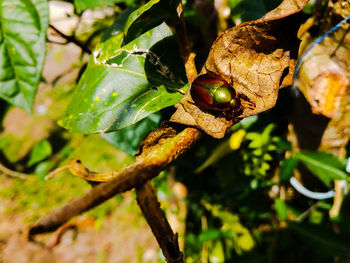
187, 56
150, 207
71, 39
154, 159
12, 173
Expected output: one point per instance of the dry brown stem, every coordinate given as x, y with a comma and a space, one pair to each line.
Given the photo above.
146, 167
188, 57
150, 207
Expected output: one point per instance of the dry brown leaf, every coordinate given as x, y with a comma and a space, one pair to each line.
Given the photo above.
256, 59
324, 75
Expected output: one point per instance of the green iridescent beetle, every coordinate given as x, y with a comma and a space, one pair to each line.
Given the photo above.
211, 92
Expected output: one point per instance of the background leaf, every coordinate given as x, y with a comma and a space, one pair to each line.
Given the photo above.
281, 208
325, 166
287, 167
245, 10
128, 139
22, 49
320, 238
41, 150
115, 90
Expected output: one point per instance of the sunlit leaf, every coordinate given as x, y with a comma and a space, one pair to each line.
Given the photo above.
148, 16
236, 139
22, 49
325, 166
217, 253
121, 86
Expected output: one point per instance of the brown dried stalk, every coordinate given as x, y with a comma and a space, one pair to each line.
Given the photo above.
187, 56
145, 168
150, 207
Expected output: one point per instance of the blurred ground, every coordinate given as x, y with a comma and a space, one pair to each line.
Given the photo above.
113, 232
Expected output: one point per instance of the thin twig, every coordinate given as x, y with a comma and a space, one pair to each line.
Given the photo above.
71, 39
150, 207
57, 238
12, 173
306, 213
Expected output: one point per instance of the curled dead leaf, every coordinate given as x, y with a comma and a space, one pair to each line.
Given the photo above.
324, 75
256, 59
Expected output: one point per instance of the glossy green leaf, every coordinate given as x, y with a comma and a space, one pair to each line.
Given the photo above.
121, 86
148, 16
82, 5
325, 166
22, 49
128, 139
41, 151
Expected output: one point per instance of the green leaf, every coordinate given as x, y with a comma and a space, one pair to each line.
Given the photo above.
209, 235
148, 16
41, 151
119, 24
43, 168
23, 25
121, 86
217, 252
128, 139
287, 167
245, 10
325, 166
82, 5
319, 238
281, 208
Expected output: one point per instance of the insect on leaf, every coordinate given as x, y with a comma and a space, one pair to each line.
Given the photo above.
255, 58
